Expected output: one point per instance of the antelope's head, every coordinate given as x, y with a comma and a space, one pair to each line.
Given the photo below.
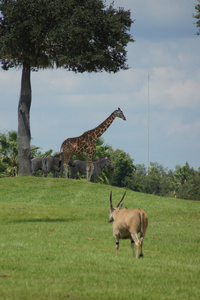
113, 210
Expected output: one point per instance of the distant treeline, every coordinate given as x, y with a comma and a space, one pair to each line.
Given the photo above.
183, 182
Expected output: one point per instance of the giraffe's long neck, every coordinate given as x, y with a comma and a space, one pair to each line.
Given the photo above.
99, 130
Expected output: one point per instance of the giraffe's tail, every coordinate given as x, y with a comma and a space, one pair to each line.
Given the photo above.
61, 148
61, 156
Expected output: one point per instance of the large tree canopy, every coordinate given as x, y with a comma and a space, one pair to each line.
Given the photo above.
197, 16
79, 35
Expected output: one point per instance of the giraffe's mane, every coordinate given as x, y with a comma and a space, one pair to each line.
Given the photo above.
101, 124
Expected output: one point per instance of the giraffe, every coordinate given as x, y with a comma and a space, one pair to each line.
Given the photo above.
85, 144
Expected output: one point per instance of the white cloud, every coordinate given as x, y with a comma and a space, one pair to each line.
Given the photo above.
179, 130
185, 94
170, 88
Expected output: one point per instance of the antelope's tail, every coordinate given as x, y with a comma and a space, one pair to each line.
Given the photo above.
142, 224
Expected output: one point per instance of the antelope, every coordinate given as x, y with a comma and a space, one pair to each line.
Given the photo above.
127, 223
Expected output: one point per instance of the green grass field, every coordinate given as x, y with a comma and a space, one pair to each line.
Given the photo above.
56, 243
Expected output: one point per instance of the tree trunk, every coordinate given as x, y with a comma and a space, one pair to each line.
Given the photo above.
24, 133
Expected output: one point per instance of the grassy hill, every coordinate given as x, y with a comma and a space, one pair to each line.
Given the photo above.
56, 243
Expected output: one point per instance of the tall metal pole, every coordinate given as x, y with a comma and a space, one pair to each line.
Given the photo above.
148, 130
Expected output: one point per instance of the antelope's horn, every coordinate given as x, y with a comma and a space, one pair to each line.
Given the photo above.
121, 200
111, 206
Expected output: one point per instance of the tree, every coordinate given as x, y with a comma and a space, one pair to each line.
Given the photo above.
183, 173
123, 169
197, 16
151, 183
101, 149
138, 178
188, 182
78, 35
8, 152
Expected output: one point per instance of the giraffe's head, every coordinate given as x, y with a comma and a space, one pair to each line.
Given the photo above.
119, 114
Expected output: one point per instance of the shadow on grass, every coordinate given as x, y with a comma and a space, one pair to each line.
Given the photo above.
50, 220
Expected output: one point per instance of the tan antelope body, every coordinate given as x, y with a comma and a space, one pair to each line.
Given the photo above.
127, 223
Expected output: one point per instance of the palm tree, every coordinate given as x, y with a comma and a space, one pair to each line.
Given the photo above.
8, 153
102, 151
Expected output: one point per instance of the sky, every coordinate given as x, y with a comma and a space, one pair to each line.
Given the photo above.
164, 71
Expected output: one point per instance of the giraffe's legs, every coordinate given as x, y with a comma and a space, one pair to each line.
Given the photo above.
91, 171
66, 170
65, 164
89, 168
